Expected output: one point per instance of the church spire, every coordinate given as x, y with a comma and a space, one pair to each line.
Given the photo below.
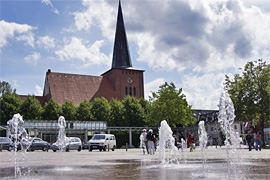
121, 57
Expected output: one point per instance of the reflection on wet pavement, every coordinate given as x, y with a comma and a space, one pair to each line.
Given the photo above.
149, 169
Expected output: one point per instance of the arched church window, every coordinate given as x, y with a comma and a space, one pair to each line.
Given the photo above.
126, 90
134, 91
130, 91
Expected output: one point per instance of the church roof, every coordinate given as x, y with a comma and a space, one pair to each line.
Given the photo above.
77, 88
121, 57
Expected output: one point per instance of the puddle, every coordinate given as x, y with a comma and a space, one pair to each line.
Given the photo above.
149, 169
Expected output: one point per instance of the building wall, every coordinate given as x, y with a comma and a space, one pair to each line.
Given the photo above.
126, 82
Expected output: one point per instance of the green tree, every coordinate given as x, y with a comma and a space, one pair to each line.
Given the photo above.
4, 87
9, 105
268, 89
170, 104
145, 105
116, 114
31, 108
52, 110
248, 92
100, 109
133, 112
83, 111
69, 110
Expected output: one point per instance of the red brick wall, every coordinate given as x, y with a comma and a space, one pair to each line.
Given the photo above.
119, 80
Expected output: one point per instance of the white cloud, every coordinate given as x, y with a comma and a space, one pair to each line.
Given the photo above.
46, 41
98, 13
15, 84
209, 38
152, 86
192, 38
77, 49
48, 2
38, 91
32, 58
28, 38
203, 91
22, 32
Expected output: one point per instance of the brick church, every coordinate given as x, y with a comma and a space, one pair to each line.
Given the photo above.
121, 80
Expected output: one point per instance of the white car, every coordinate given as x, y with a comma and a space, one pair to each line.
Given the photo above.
102, 142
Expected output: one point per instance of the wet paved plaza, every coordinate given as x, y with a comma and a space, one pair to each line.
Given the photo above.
132, 164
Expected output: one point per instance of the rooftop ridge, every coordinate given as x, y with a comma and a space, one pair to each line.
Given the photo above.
73, 74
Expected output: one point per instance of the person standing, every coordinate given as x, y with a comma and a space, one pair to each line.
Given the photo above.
258, 141
175, 141
190, 142
144, 133
151, 138
249, 140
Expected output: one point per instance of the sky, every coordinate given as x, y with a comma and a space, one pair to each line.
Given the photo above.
192, 43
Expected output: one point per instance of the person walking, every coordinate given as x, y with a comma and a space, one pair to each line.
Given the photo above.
190, 142
144, 133
151, 138
258, 141
249, 140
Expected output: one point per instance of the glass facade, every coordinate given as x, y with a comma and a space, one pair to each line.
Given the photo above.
76, 125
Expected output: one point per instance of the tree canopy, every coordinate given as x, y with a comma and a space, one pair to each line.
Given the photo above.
31, 108
249, 92
69, 110
84, 111
169, 104
4, 87
52, 110
133, 112
100, 109
10, 104
116, 115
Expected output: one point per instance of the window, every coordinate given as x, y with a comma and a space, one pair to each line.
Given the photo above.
235, 126
134, 91
126, 90
130, 91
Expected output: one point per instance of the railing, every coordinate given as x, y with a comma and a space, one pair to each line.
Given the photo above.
3, 127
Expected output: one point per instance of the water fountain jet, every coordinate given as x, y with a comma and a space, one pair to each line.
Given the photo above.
166, 141
16, 132
203, 142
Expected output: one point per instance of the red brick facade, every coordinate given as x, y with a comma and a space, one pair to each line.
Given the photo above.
126, 82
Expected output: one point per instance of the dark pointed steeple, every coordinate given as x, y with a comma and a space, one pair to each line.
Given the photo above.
121, 57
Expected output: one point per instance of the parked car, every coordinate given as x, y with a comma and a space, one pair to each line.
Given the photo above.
38, 144
6, 144
85, 146
102, 142
24, 143
73, 143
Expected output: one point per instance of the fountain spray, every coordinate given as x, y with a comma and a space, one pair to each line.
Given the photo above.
166, 141
203, 141
16, 132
